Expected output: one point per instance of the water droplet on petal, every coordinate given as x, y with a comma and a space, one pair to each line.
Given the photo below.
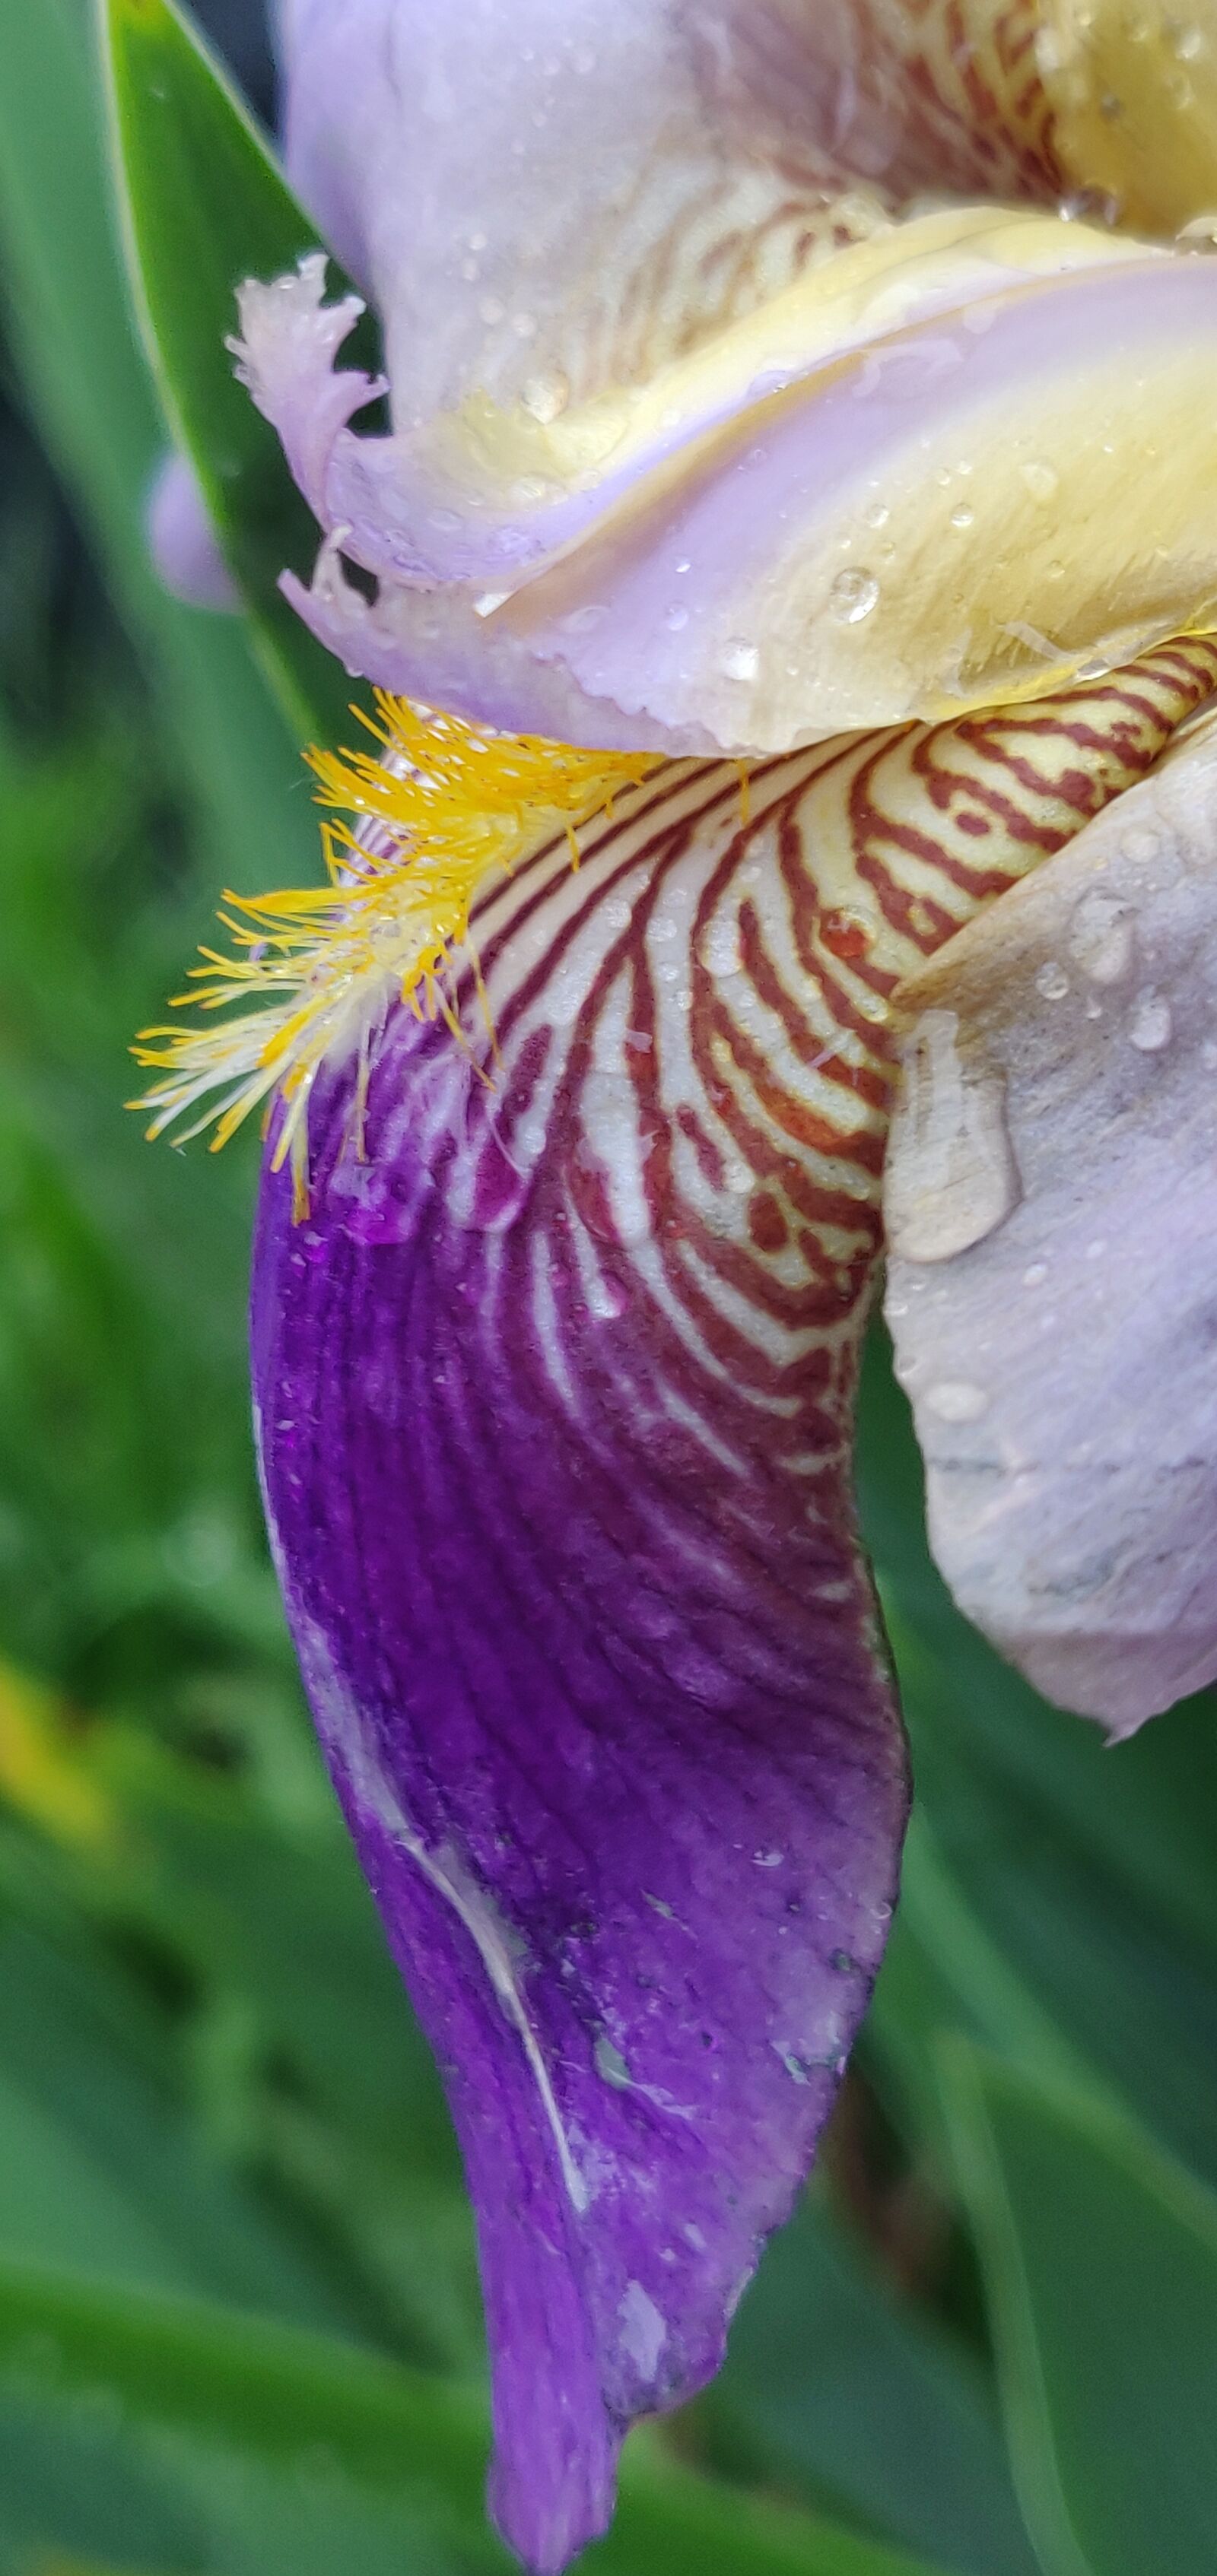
951, 1173
1152, 1024
1102, 936
1052, 981
1042, 480
955, 1399
1199, 235
853, 595
546, 397
741, 660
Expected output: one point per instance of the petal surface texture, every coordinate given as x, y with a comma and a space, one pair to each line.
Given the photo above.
1133, 100
554, 1427
554, 1384
709, 432
1052, 1212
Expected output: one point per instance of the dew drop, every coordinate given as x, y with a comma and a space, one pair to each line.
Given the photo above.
853, 595
1199, 235
741, 660
955, 1399
546, 397
1152, 1024
1035, 1274
963, 517
1101, 937
610, 2064
1042, 480
719, 949
951, 1174
583, 621
1052, 981
876, 514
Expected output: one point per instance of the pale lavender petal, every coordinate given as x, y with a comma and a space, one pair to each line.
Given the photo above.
1052, 1207
553, 1386
432, 645
738, 595
183, 541
678, 159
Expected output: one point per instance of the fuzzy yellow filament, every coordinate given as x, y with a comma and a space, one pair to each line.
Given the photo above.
434, 809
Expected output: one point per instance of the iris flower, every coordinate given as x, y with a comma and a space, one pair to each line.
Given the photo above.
790, 578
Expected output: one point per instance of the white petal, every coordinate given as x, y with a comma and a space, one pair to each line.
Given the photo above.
1063, 1363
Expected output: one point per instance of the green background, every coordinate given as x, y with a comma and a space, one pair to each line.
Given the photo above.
239, 2327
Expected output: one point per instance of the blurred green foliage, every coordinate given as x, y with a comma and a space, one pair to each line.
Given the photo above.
239, 2329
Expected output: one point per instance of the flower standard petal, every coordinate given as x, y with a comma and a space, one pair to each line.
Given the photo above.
544, 193
1058, 1346
905, 490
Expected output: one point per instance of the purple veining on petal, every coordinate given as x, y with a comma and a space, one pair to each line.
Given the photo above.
556, 1464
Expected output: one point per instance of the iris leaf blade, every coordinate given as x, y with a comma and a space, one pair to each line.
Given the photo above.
277, 2393
838, 2388
68, 312
1101, 2260
204, 207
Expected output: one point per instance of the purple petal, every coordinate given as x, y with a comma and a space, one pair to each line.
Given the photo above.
183, 541
1052, 1202
553, 1388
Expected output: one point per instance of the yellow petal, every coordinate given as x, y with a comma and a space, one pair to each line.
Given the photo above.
1133, 90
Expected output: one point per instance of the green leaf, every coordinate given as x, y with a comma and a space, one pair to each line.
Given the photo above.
96, 2169
69, 2492
67, 306
835, 2387
206, 207
280, 2395
1101, 2260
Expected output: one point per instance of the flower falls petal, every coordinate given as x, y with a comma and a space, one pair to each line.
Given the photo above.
1052, 1211
554, 1387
